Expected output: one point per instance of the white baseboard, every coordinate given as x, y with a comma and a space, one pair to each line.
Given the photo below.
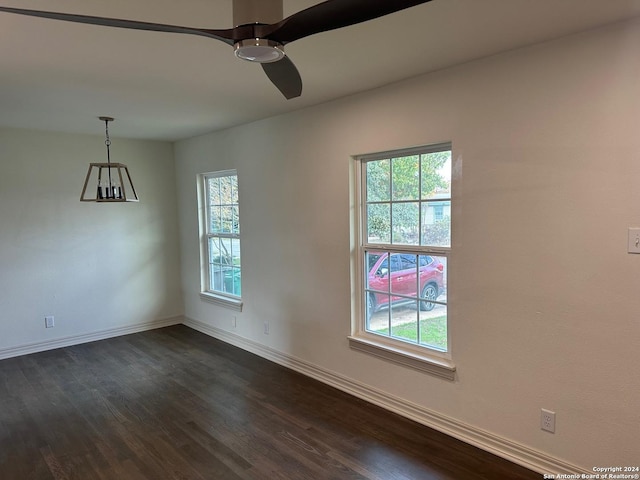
502, 447
88, 337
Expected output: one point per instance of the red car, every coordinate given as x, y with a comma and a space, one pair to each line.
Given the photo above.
401, 278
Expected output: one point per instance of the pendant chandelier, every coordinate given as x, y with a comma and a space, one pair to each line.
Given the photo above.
110, 182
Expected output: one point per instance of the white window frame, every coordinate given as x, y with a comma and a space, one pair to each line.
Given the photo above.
419, 357
207, 292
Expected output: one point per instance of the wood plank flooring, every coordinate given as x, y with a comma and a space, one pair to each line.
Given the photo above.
176, 404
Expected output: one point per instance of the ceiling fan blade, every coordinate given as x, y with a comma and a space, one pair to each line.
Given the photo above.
284, 75
225, 36
331, 15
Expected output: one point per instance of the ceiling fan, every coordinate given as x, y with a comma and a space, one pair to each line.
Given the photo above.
260, 31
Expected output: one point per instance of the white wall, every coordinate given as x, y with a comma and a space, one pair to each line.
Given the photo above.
95, 267
543, 296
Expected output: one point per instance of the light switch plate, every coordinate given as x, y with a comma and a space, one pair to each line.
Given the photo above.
634, 240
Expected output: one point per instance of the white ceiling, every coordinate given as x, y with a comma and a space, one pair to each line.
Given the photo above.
61, 76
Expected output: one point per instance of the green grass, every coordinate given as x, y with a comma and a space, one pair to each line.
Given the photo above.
433, 332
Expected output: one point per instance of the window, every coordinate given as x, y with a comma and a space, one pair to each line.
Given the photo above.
220, 252
438, 212
404, 226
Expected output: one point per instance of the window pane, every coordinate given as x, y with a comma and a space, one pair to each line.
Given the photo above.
214, 251
406, 178
407, 284
234, 250
234, 189
436, 223
226, 190
214, 190
235, 225
396, 279
226, 254
433, 281
216, 273
436, 175
378, 271
403, 278
226, 219
377, 313
395, 263
406, 223
404, 322
379, 223
433, 328
378, 181
215, 222
216, 267
232, 281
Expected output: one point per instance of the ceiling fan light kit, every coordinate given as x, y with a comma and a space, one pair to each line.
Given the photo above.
260, 31
112, 181
259, 50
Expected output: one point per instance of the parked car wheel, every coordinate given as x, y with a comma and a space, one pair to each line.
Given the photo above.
430, 291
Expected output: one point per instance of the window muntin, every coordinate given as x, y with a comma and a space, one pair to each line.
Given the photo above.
406, 239
222, 234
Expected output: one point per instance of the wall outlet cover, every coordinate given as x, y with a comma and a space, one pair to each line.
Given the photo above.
548, 420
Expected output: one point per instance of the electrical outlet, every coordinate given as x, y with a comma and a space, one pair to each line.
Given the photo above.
266, 328
49, 321
548, 420
234, 321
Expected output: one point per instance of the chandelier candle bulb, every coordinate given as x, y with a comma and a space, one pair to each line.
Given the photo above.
117, 192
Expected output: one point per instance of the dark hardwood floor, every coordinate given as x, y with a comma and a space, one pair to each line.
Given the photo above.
176, 404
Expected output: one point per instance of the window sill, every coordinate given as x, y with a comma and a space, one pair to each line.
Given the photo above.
439, 367
232, 303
